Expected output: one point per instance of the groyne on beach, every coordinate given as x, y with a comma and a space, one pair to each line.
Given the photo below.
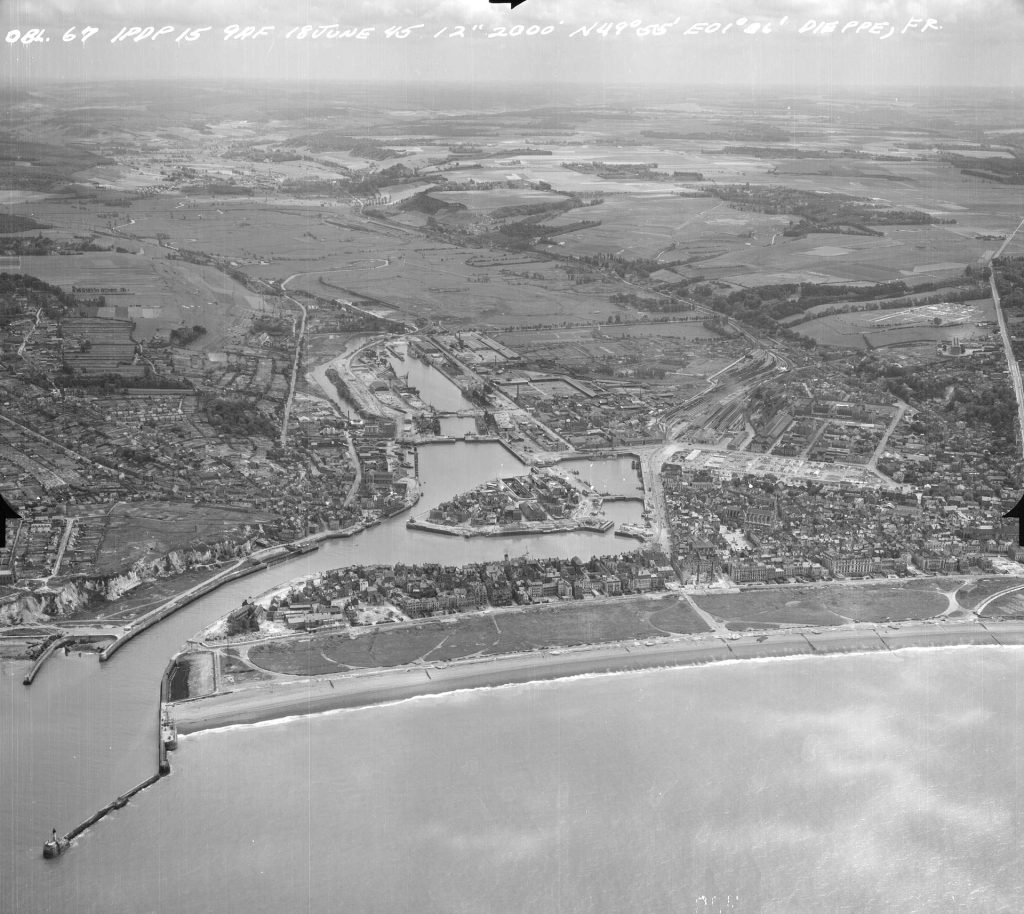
286, 698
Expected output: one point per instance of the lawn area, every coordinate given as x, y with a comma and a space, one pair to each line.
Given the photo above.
453, 638
835, 605
973, 592
1010, 606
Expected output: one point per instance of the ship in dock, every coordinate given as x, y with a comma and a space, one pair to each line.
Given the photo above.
634, 531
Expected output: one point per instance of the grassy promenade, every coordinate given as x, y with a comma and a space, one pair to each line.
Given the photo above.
349, 668
286, 698
465, 635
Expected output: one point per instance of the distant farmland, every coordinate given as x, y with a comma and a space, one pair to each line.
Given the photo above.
106, 347
161, 294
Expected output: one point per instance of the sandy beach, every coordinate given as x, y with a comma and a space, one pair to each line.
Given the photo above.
286, 698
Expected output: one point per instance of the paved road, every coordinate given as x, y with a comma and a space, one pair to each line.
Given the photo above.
900, 413
991, 599
69, 524
1011, 359
295, 363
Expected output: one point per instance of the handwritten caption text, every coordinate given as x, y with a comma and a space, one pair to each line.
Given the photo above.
744, 25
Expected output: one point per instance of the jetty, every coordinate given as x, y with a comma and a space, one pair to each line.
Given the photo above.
64, 641
167, 740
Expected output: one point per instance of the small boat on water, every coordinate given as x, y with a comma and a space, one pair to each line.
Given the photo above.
55, 846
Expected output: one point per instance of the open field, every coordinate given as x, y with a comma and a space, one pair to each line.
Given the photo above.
921, 253
486, 201
356, 255
835, 604
910, 300
233, 669
666, 224
1010, 606
248, 229
977, 205
681, 155
894, 327
160, 295
140, 530
477, 635
461, 286
686, 344
973, 592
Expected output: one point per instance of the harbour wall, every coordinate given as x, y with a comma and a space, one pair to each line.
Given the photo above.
62, 641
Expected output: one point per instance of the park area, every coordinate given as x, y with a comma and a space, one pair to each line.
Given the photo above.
974, 592
481, 635
1008, 606
834, 604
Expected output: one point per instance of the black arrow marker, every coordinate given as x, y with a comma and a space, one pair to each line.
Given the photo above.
512, 3
1018, 511
8, 513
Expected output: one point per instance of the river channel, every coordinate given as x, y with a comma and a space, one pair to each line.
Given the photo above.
434, 388
605, 794
84, 733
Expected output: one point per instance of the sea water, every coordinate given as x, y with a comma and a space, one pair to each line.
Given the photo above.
881, 782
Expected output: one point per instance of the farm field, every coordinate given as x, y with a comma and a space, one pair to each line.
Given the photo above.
684, 155
161, 294
486, 201
421, 278
251, 229
908, 253
561, 625
665, 226
933, 187
110, 349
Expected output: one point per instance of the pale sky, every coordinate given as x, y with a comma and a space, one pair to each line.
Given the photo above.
977, 43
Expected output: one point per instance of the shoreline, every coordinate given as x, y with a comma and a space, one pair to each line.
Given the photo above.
365, 688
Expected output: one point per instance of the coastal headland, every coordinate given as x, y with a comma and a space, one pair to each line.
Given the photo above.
281, 698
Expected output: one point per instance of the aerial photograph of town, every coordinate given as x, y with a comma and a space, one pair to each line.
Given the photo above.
512, 457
